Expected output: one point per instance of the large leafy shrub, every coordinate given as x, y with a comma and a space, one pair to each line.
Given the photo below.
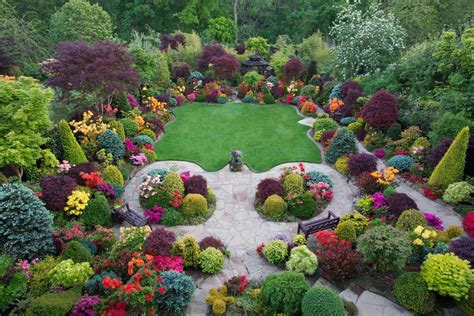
451, 167
303, 207
385, 247
302, 260
324, 124
196, 184
188, 249
211, 260
112, 174
112, 144
284, 292
342, 144
208, 52
268, 187
362, 162
447, 275
172, 183
274, 207
293, 184
448, 125
293, 69
225, 66
337, 259
463, 248
159, 242
55, 191
411, 219
25, 224
179, 291
411, 292
381, 111
69, 274
401, 162
321, 301
400, 202
76, 252
194, 205
221, 29
73, 153
53, 304
276, 251
97, 212
257, 45
458, 192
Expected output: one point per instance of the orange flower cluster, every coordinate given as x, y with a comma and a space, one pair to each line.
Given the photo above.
386, 177
138, 261
335, 104
308, 107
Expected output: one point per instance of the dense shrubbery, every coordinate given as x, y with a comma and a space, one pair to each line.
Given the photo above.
321, 301
400, 202
360, 163
381, 111
159, 242
342, 144
411, 292
268, 187
284, 292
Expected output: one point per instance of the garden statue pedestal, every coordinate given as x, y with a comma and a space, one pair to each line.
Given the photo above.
236, 163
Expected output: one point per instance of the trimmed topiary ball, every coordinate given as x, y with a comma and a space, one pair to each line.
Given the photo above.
276, 251
293, 184
303, 207
172, 183
360, 163
316, 177
150, 155
346, 231
111, 142
463, 248
211, 260
268, 187
274, 207
55, 191
194, 205
411, 292
196, 184
400, 202
342, 144
211, 242
76, 252
400, 162
142, 140
302, 260
159, 242
97, 212
381, 111
411, 219
325, 124
112, 174
179, 291
321, 301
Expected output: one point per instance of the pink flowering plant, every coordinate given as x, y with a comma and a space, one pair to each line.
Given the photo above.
139, 159
322, 192
154, 214
164, 263
434, 221
150, 186
64, 166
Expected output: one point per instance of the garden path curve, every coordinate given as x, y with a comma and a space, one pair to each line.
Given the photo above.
235, 220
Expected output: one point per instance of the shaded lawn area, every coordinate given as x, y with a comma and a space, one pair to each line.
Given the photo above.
267, 135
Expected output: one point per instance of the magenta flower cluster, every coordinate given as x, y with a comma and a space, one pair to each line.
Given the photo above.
379, 200
85, 306
154, 214
434, 221
139, 159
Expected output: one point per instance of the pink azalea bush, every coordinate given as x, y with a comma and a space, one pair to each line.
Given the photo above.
154, 214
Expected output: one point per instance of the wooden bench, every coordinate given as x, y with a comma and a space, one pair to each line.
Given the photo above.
124, 213
317, 225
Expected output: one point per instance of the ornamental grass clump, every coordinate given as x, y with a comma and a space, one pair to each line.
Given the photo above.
302, 260
276, 251
211, 260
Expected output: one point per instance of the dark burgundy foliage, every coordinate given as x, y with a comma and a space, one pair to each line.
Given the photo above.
463, 248
360, 163
400, 202
351, 91
338, 260
435, 154
188, 90
118, 265
209, 51
211, 98
196, 184
157, 125
293, 69
86, 167
168, 40
326, 136
103, 69
162, 98
6, 60
381, 111
350, 85
181, 70
159, 242
312, 70
225, 66
268, 187
211, 242
240, 49
278, 91
360, 134
55, 190
368, 184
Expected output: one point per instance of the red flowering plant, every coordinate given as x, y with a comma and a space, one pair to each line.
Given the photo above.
102, 237
176, 200
260, 249
149, 147
164, 263
237, 285
324, 237
337, 258
429, 193
468, 224
289, 98
92, 179
293, 169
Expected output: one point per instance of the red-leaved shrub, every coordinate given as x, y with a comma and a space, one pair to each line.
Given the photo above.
163, 263
463, 248
400, 202
359, 163
326, 137
159, 242
368, 184
211, 242
268, 187
196, 184
293, 69
381, 111
338, 260
181, 70
55, 191
208, 52
468, 224
225, 66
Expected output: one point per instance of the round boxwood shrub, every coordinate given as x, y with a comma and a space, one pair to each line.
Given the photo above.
148, 132
411, 219
159, 242
76, 252
172, 183
276, 251
321, 301
400, 162
325, 124
112, 174
179, 291
302, 260
346, 231
463, 248
268, 187
360, 163
283, 292
142, 140
400, 202
97, 212
25, 224
303, 207
316, 177
268, 99
381, 111
194, 205
211, 242
55, 191
112, 144
293, 184
411, 292
342, 165
129, 126
211, 260
342, 144
274, 207
196, 184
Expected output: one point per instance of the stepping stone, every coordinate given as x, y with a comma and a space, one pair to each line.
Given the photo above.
349, 296
370, 304
307, 121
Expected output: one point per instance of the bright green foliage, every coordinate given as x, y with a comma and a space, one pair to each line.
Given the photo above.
346, 231
448, 125
448, 275
313, 48
293, 184
342, 144
179, 291
276, 251
283, 292
299, 240
5, 264
111, 142
325, 124
221, 29
9, 291
24, 120
73, 152
194, 205
130, 127
359, 221
211, 197
117, 126
172, 183
252, 78
257, 45
69, 274
218, 300
53, 304
150, 155
321, 301
274, 206
458, 192
188, 249
78, 19
385, 247
411, 219
211, 260
148, 132
162, 71
76, 252
451, 167
302, 260
146, 61
112, 174
454, 231
97, 212
39, 281
467, 304
25, 224
342, 165
411, 292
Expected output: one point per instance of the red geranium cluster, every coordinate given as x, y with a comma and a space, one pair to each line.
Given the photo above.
149, 147
289, 98
325, 237
110, 283
92, 179
243, 284
176, 200
429, 193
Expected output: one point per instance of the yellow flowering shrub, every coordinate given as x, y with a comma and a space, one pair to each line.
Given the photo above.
89, 127
386, 177
424, 236
77, 202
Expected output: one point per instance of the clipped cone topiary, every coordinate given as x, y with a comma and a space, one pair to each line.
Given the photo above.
73, 152
451, 167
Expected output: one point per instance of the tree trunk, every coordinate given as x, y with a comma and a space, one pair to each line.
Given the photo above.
236, 2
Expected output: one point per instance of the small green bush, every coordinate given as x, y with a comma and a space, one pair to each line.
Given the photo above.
293, 184
53, 304
112, 174
274, 207
211, 260
276, 251
148, 132
130, 127
302, 260
321, 301
325, 124
410, 219
188, 249
73, 152
12, 289
284, 292
458, 192
112, 144
346, 231
39, 281
172, 183
117, 126
342, 144
194, 205
172, 217
97, 212
69, 274
304, 207
411, 292
150, 155
268, 99
342, 165
76, 252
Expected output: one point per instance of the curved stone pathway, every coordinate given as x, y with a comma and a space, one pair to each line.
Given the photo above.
235, 220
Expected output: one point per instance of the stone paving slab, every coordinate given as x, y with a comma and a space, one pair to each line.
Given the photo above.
307, 121
371, 304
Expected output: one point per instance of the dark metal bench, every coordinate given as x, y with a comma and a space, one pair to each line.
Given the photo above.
321, 224
124, 213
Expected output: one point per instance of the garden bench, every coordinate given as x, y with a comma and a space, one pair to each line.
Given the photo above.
124, 213
317, 225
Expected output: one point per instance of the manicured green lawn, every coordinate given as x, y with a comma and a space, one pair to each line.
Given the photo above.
267, 135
